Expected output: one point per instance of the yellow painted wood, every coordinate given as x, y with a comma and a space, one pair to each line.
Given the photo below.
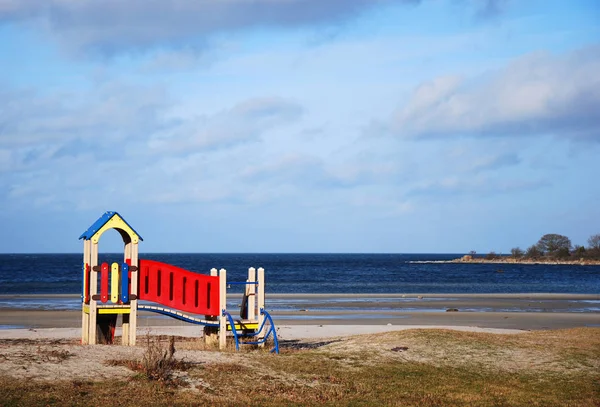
239, 326
114, 283
116, 222
114, 310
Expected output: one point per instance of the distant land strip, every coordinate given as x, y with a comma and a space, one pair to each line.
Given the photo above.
512, 260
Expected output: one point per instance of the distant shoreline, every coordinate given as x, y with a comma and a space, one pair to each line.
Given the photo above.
512, 260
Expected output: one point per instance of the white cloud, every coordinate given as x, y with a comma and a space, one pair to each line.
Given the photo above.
480, 186
538, 93
66, 150
494, 161
244, 122
110, 112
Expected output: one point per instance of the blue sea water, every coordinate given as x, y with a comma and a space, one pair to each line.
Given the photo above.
320, 273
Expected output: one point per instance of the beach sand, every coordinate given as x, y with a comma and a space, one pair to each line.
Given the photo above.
328, 315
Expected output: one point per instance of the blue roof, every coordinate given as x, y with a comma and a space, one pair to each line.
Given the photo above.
96, 226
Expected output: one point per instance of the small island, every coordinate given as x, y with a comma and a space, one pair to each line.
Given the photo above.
550, 249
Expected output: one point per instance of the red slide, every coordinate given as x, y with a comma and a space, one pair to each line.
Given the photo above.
177, 288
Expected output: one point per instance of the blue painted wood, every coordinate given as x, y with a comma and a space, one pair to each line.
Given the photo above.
125, 283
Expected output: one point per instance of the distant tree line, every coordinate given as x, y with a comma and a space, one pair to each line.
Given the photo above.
554, 246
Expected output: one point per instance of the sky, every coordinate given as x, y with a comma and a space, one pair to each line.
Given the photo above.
294, 126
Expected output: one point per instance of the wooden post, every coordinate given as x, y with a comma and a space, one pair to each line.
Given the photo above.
93, 291
261, 302
134, 292
222, 307
210, 332
85, 316
250, 294
125, 336
127, 251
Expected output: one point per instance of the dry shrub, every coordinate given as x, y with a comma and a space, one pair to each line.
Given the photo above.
157, 363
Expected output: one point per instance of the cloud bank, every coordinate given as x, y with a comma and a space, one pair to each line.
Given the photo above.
538, 93
112, 26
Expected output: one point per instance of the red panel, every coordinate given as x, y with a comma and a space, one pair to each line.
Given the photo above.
86, 284
178, 287
175, 287
165, 286
104, 282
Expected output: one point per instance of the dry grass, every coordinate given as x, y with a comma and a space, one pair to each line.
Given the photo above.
409, 368
158, 363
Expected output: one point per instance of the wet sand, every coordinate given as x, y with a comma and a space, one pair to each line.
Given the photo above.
500, 311
32, 319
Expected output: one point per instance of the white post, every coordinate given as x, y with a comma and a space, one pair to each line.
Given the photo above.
93, 291
134, 291
210, 333
85, 316
250, 294
222, 307
261, 301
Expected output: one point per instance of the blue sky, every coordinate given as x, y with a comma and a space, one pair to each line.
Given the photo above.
300, 125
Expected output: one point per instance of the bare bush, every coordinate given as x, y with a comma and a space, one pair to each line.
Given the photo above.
533, 252
594, 242
516, 252
491, 256
157, 363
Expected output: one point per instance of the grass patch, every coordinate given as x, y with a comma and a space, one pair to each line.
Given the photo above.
352, 373
410, 384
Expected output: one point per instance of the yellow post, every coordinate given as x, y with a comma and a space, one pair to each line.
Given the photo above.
114, 283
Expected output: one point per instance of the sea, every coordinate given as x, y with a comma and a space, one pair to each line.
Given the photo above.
50, 274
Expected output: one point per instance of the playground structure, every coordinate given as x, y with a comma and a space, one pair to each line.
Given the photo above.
164, 289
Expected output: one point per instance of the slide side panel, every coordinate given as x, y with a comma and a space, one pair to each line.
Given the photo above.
178, 288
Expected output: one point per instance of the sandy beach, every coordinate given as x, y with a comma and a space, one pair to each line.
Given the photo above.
359, 313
